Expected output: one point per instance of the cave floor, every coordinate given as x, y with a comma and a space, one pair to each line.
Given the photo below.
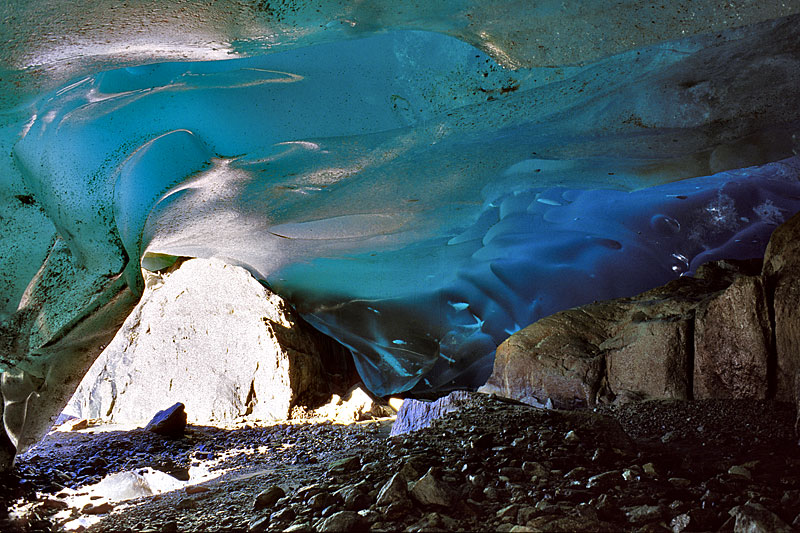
493, 465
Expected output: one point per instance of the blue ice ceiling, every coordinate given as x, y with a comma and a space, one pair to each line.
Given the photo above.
419, 182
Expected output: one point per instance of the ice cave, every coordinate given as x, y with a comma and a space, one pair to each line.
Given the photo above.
419, 180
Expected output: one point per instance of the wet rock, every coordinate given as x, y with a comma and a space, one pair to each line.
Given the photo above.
533, 468
755, 518
170, 422
299, 527
508, 513
268, 497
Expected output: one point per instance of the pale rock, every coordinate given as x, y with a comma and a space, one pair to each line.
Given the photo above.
650, 358
418, 414
355, 405
209, 335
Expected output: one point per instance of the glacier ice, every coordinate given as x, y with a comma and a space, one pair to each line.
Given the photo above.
420, 182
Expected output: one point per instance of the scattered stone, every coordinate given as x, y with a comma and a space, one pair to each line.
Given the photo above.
101, 508
604, 480
680, 523
509, 512
323, 500
755, 518
76, 425
430, 491
342, 521
299, 527
680, 482
649, 469
571, 437
268, 497
641, 514
533, 468
740, 471
170, 422
50, 503
348, 464
258, 524
197, 489
395, 490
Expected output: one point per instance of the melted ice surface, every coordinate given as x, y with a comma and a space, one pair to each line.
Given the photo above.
408, 192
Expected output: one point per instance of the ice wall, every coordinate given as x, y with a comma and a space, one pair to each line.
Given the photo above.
418, 196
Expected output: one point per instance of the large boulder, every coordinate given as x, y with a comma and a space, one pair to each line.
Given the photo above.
556, 361
732, 343
208, 335
781, 276
704, 337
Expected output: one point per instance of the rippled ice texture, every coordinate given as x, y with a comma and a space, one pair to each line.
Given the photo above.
408, 193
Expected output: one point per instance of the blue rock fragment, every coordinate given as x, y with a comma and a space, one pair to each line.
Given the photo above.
170, 422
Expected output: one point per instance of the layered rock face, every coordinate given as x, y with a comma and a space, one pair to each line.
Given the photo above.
207, 334
732, 331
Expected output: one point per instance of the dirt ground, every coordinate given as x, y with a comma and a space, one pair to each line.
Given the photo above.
492, 465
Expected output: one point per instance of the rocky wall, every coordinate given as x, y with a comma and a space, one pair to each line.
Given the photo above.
731, 331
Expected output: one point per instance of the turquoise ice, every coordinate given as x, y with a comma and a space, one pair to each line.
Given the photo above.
419, 183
